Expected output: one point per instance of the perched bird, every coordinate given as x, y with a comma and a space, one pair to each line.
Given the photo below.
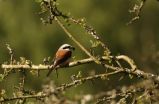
62, 57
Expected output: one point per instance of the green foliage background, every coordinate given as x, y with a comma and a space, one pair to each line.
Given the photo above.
20, 26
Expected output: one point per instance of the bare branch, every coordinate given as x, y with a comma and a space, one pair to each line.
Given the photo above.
128, 60
62, 87
91, 31
136, 10
137, 72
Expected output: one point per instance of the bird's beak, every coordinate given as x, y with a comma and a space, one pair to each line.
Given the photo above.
73, 48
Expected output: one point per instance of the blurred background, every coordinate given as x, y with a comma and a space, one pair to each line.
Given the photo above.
20, 26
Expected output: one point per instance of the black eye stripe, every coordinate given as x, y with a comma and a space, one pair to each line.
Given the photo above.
66, 47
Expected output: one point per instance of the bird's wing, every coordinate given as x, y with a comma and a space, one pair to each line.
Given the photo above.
60, 57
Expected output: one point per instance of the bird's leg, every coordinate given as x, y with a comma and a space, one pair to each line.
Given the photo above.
56, 72
92, 82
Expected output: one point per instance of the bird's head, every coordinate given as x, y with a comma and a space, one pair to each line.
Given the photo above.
67, 47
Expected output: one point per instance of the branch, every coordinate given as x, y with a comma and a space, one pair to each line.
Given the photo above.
137, 72
62, 87
91, 31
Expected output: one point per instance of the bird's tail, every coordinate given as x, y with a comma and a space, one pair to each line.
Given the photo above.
50, 70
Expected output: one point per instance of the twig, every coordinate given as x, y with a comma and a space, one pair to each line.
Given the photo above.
139, 88
90, 31
22, 83
136, 10
128, 60
10, 53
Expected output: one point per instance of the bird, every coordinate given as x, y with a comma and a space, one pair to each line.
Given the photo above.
62, 57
